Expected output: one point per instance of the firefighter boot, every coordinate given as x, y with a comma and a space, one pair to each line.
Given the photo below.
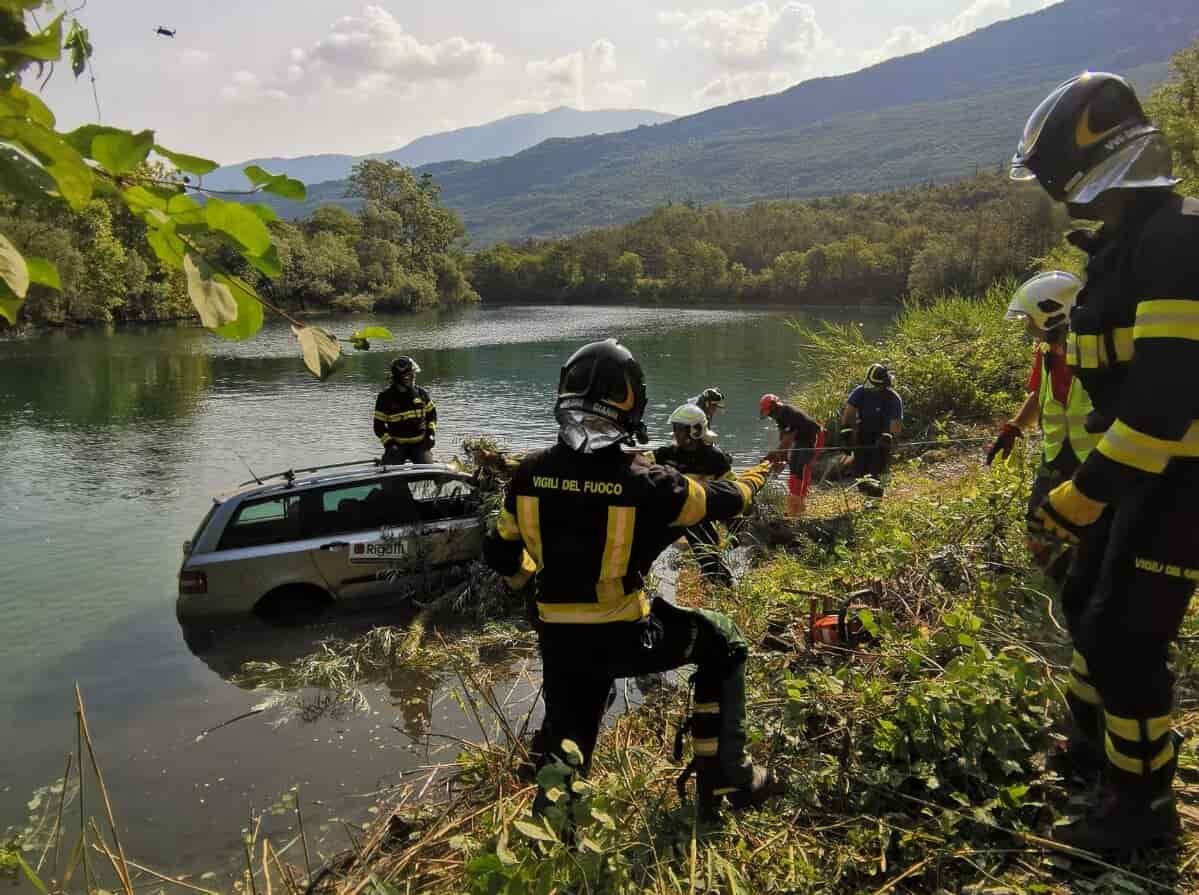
723, 770
1130, 813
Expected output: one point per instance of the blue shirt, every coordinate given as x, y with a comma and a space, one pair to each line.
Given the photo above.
877, 408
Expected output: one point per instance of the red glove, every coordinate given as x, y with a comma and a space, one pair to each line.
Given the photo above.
1004, 442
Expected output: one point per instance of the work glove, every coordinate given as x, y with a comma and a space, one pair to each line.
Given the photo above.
1066, 514
846, 436
1004, 442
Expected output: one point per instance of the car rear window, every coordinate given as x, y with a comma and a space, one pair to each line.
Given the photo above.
390, 501
261, 522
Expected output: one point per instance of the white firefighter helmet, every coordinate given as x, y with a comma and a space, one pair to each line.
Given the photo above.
1046, 299
696, 421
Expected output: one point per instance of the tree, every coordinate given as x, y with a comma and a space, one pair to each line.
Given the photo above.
1174, 107
405, 209
625, 273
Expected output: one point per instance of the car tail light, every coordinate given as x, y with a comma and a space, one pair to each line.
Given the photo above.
193, 583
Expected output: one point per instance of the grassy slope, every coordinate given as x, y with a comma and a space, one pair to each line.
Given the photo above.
913, 763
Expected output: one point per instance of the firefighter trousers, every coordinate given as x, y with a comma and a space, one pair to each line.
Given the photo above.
581, 662
1124, 599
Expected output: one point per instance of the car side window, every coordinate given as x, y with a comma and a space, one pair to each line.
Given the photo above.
364, 505
261, 522
442, 498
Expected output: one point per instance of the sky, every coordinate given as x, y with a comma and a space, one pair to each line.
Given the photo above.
256, 78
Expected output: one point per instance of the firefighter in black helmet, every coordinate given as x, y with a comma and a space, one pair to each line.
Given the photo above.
585, 519
1133, 505
405, 416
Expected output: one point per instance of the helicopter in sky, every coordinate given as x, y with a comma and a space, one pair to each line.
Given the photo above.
165, 32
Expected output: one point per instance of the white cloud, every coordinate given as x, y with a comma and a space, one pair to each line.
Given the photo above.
560, 80
371, 51
743, 85
603, 55
979, 14
752, 37
245, 86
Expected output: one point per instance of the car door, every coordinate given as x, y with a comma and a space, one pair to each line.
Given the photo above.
451, 528
363, 535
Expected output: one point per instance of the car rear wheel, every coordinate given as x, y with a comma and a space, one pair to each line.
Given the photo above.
293, 604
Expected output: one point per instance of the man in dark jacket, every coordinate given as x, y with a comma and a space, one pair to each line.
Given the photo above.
405, 416
872, 417
1132, 507
695, 456
585, 519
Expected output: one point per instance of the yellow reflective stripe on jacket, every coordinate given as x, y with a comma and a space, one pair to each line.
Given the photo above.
695, 507
618, 547
407, 440
1083, 690
401, 416
381, 416
630, 608
1089, 352
706, 708
1167, 319
528, 515
506, 526
1126, 445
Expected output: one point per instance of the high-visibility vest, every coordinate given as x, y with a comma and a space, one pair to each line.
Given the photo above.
1062, 422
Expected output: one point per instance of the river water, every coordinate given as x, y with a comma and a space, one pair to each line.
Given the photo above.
111, 444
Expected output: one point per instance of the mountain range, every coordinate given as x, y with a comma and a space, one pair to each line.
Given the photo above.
937, 115
506, 136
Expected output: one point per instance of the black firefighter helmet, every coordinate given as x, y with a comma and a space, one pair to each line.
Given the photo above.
1090, 135
403, 365
604, 379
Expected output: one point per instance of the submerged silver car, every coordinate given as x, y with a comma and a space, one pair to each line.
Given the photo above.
305, 539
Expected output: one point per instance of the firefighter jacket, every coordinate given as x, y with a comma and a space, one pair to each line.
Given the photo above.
1134, 344
405, 417
591, 525
703, 463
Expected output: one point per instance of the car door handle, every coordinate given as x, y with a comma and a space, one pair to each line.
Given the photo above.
335, 545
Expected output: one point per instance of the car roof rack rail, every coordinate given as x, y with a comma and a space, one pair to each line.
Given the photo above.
290, 474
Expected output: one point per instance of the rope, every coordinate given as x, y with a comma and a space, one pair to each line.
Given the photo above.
845, 448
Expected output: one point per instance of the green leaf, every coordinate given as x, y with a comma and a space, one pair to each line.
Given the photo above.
278, 184
168, 247
61, 161
321, 351
122, 151
33, 878
574, 755
265, 212
373, 332
43, 272
214, 300
79, 44
249, 311
240, 223
18, 102
267, 263
45, 45
9, 304
534, 831
21, 178
13, 269
191, 164
140, 200
181, 204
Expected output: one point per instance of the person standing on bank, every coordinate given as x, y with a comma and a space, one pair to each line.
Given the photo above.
1132, 507
695, 456
872, 417
405, 416
709, 401
1056, 400
800, 441
585, 519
